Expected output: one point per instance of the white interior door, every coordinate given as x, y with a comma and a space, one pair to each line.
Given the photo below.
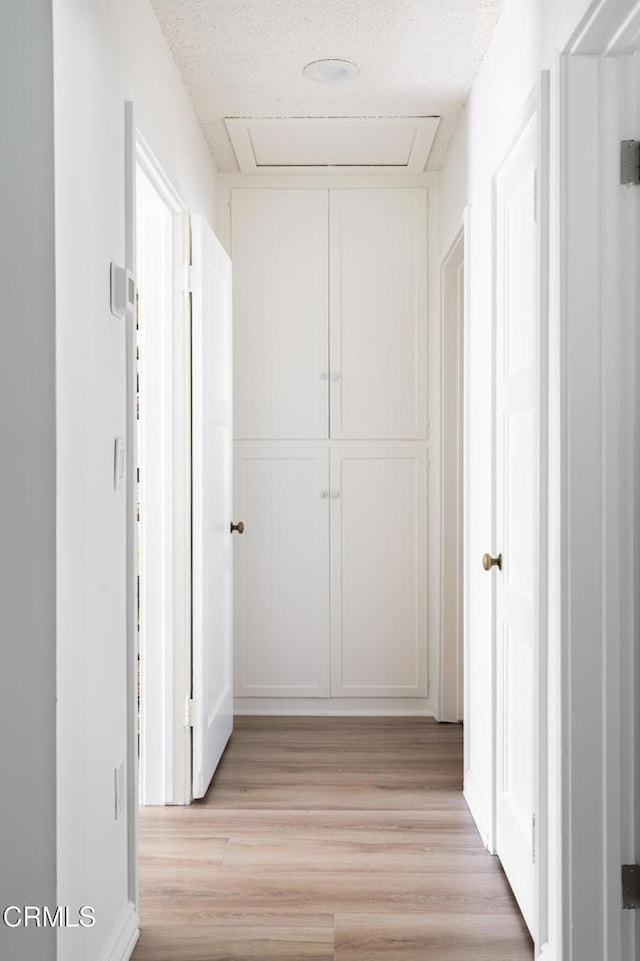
518, 528
212, 707
281, 336
282, 571
378, 309
379, 570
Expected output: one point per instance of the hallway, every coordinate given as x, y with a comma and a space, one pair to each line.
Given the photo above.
327, 839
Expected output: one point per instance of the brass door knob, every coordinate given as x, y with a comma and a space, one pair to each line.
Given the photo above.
237, 527
488, 562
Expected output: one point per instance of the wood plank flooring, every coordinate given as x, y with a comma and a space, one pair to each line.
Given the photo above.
327, 839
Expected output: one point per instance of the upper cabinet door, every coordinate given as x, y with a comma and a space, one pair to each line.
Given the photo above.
378, 311
281, 366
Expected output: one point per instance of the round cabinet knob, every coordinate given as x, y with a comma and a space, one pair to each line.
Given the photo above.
324, 375
335, 377
324, 494
237, 527
335, 493
488, 562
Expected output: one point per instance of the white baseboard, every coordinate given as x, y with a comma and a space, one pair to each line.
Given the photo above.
124, 936
479, 808
334, 706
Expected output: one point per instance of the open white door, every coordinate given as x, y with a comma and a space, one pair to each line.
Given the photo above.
212, 706
519, 526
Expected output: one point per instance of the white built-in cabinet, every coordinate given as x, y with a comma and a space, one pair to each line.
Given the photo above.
331, 454
378, 310
281, 579
280, 241
330, 575
378, 570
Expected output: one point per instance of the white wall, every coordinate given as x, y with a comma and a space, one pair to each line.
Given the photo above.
105, 52
27, 480
529, 36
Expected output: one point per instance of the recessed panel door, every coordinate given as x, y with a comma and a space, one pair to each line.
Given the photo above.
518, 512
281, 338
378, 313
282, 571
379, 571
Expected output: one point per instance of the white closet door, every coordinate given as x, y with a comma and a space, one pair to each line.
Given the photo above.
378, 311
280, 267
282, 571
211, 505
379, 571
518, 511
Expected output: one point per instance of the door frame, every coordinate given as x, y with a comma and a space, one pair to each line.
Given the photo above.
454, 302
138, 151
598, 348
176, 680
172, 651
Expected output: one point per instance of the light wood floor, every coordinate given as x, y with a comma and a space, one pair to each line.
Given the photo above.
327, 839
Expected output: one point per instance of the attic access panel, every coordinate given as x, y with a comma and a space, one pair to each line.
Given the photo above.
319, 144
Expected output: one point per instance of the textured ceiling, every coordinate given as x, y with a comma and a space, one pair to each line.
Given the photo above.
244, 58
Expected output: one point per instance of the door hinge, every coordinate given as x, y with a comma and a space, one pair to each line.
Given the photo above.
629, 162
189, 711
533, 838
631, 887
188, 279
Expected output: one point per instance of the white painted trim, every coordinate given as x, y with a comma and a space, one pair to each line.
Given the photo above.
580, 499
551, 924
609, 27
598, 263
182, 794
334, 706
450, 670
323, 443
324, 181
177, 657
182, 493
466, 482
124, 936
541, 697
131, 536
154, 280
434, 444
153, 169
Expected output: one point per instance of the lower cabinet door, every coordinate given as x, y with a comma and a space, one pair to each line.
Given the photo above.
379, 570
281, 571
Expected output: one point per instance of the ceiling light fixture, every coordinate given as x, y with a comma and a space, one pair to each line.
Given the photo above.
330, 71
